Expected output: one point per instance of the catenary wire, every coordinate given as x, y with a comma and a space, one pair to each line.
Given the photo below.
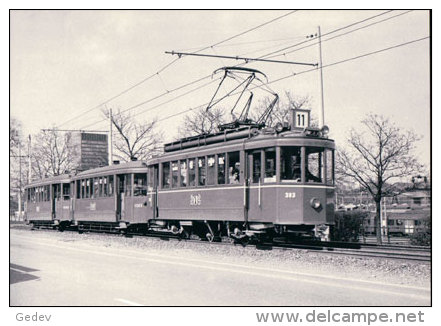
333, 31
313, 69
168, 65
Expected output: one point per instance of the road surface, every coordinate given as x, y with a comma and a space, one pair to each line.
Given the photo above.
60, 272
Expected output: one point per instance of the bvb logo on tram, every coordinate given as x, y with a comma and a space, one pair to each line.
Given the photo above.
195, 200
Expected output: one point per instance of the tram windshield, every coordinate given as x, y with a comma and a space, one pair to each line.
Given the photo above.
290, 160
313, 163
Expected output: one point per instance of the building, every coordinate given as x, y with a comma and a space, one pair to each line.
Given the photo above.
91, 150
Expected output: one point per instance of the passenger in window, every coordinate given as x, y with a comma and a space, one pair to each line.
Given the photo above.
234, 176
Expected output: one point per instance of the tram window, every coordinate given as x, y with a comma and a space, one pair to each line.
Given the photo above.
100, 188
110, 194
233, 167
151, 178
57, 191
257, 166
166, 175
83, 188
140, 184
191, 173
183, 178
329, 166
211, 169
78, 189
221, 169
66, 191
105, 186
399, 222
314, 164
88, 186
270, 165
96, 187
175, 173
290, 164
202, 171
128, 185
391, 222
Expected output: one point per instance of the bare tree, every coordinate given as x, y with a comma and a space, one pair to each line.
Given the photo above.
52, 153
207, 122
281, 111
15, 136
202, 122
134, 141
377, 158
17, 170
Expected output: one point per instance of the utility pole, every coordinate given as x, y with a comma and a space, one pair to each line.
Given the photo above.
29, 162
110, 138
322, 113
19, 179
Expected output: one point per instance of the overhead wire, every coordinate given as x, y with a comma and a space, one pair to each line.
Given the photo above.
328, 33
158, 105
168, 65
346, 33
331, 32
119, 94
314, 69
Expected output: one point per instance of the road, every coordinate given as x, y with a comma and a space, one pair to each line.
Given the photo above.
57, 272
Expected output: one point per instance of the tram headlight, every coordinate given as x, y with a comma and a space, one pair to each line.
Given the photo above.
315, 203
324, 131
279, 127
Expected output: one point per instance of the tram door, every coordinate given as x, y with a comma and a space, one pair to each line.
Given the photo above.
53, 195
153, 189
120, 204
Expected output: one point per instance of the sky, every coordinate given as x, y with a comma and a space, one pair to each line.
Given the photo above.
66, 66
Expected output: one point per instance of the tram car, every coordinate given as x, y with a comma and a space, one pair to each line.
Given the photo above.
246, 181
401, 222
239, 183
49, 202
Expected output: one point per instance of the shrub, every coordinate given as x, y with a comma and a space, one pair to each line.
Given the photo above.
422, 236
348, 225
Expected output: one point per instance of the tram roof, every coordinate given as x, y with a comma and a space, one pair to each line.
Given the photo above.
128, 167
62, 178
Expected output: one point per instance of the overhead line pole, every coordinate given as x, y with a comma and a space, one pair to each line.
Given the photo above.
19, 178
110, 137
322, 113
180, 54
29, 162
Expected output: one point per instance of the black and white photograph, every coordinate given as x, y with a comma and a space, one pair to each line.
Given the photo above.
272, 160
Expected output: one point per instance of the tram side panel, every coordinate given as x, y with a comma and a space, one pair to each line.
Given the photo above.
39, 211
215, 203
95, 210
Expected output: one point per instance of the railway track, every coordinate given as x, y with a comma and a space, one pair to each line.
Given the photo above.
402, 253
396, 252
